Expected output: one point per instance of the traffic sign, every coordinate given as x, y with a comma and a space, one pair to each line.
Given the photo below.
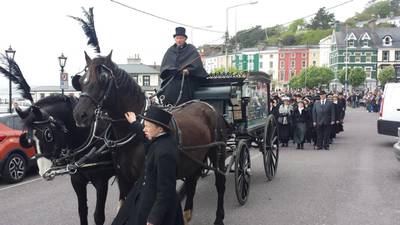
64, 81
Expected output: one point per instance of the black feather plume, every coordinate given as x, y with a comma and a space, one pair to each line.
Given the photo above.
88, 28
15, 76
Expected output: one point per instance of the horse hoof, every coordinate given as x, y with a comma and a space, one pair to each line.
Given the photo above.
187, 216
218, 223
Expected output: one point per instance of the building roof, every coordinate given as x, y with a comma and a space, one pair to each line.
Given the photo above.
376, 35
138, 69
393, 32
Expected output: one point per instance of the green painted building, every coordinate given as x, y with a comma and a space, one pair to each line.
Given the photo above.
355, 48
247, 60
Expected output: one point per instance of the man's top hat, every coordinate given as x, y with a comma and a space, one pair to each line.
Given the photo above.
180, 31
158, 116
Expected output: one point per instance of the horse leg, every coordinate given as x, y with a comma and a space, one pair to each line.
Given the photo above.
220, 180
79, 184
190, 189
101, 185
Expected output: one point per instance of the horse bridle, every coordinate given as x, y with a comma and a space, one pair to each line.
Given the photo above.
110, 83
48, 133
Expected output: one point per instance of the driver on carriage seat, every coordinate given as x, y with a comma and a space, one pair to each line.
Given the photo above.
181, 59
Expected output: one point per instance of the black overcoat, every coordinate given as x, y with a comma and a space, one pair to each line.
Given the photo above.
175, 60
154, 198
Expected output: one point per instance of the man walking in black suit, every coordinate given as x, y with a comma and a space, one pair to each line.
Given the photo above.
323, 117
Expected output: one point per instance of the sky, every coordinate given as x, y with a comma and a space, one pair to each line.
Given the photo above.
40, 30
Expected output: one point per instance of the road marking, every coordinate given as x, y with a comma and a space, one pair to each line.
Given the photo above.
20, 184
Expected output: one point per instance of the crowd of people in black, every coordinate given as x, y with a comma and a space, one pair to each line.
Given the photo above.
313, 117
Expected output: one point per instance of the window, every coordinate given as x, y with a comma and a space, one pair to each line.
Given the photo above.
350, 43
282, 75
271, 56
291, 73
397, 55
261, 56
282, 64
261, 65
368, 72
314, 63
282, 55
292, 64
385, 56
365, 43
135, 78
303, 55
293, 55
357, 57
41, 95
271, 64
303, 64
387, 41
146, 80
368, 57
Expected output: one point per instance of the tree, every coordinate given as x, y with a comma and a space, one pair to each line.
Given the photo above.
357, 77
296, 82
342, 75
395, 5
249, 38
322, 20
294, 27
312, 77
386, 75
222, 70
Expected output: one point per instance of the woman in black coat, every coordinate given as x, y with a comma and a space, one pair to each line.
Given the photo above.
300, 118
153, 200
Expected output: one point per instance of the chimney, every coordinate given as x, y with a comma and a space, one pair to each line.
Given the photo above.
135, 59
372, 24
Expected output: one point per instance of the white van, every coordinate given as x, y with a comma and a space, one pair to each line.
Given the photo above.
389, 115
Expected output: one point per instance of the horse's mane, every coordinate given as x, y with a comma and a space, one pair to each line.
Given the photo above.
54, 99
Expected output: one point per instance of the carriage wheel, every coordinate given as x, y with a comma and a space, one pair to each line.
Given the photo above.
242, 172
270, 147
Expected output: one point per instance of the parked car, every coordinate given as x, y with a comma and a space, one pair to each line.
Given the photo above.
389, 115
397, 145
15, 160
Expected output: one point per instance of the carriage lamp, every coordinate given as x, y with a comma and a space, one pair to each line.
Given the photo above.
10, 53
62, 60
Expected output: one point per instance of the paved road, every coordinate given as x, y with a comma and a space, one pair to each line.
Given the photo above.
356, 182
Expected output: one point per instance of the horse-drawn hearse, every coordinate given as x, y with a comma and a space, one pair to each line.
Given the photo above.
243, 100
90, 139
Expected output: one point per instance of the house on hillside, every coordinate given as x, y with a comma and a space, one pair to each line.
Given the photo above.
388, 43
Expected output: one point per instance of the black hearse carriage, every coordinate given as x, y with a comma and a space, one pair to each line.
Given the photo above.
243, 99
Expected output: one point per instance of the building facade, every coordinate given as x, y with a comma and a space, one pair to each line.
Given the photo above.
325, 46
292, 59
388, 43
314, 56
355, 48
269, 60
147, 77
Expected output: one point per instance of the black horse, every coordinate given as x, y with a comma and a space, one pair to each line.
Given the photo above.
53, 128
106, 87
51, 124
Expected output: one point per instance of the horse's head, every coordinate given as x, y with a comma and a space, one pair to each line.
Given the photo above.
97, 88
47, 133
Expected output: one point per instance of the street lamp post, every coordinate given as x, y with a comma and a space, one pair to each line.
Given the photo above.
227, 32
62, 60
10, 53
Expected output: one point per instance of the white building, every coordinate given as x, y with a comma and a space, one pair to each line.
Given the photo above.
325, 51
388, 43
40, 92
269, 60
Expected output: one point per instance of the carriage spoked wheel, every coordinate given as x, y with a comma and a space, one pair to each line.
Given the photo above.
242, 172
270, 147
